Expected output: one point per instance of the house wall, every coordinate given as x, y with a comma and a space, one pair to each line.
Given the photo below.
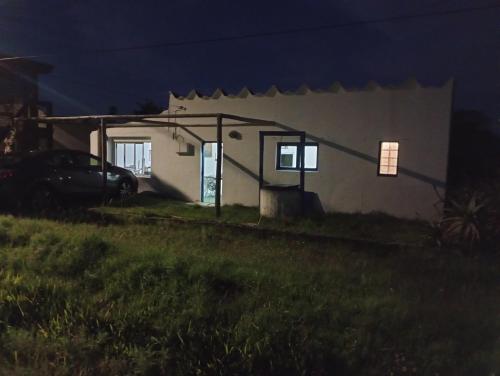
348, 125
71, 136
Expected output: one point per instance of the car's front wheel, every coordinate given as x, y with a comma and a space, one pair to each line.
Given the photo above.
125, 189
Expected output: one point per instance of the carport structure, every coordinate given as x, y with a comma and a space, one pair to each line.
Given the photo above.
218, 121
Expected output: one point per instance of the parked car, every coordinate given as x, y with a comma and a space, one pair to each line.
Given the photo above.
39, 180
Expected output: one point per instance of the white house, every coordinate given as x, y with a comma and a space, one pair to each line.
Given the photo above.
375, 149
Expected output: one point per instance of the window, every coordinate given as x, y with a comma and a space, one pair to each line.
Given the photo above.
87, 160
135, 156
288, 156
60, 159
388, 158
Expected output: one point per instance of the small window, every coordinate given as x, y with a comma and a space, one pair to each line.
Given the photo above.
288, 156
134, 156
87, 160
388, 158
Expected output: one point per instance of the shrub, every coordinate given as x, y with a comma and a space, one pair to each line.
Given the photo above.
461, 222
471, 221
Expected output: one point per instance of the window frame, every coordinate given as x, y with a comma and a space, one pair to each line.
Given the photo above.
297, 168
134, 141
387, 175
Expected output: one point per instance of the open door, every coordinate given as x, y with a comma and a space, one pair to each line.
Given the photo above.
208, 172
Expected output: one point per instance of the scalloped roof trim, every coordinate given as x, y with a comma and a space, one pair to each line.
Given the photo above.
336, 87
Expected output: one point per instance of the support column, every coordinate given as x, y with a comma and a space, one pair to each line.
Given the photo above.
104, 163
261, 163
218, 173
261, 160
302, 151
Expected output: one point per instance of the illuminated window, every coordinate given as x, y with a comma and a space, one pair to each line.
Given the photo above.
134, 156
288, 157
388, 158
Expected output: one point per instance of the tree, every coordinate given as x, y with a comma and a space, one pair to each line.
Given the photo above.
112, 110
474, 150
148, 107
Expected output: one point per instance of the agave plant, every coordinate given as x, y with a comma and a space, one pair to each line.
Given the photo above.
461, 222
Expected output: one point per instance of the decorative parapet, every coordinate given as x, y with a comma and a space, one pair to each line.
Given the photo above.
336, 87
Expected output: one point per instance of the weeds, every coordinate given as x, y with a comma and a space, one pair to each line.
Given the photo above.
144, 299
375, 226
470, 222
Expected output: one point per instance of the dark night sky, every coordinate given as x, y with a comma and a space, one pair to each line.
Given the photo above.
433, 49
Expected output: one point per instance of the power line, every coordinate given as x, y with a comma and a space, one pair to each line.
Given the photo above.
265, 33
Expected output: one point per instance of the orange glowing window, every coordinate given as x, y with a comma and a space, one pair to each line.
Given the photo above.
388, 158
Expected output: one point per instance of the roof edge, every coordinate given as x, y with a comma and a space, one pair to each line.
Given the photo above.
409, 84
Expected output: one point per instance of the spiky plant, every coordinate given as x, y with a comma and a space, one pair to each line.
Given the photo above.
461, 223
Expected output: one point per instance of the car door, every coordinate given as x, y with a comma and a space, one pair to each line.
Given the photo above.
88, 175
61, 172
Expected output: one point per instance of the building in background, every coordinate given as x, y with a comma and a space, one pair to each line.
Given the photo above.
19, 97
378, 149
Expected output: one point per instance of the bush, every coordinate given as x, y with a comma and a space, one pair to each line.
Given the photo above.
471, 222
461, 222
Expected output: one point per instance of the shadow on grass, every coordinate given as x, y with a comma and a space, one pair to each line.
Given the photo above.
376, 231
355, 227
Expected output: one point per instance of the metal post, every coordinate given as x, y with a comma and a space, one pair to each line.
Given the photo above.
218, 173
104, 164
261, 163
302, 151
261, 160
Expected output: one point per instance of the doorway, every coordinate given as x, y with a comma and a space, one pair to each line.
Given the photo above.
208, 172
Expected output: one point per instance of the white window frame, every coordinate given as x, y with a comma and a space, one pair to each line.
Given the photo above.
386, 159
134, 141
297, 161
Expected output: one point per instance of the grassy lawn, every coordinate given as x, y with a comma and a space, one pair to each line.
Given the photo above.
376, 227
88, 299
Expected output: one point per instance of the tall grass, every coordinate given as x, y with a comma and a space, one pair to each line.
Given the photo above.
374, 226
169, 299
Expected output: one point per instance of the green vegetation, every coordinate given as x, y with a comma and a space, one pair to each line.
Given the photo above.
471, 220
88, 299
376, 227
